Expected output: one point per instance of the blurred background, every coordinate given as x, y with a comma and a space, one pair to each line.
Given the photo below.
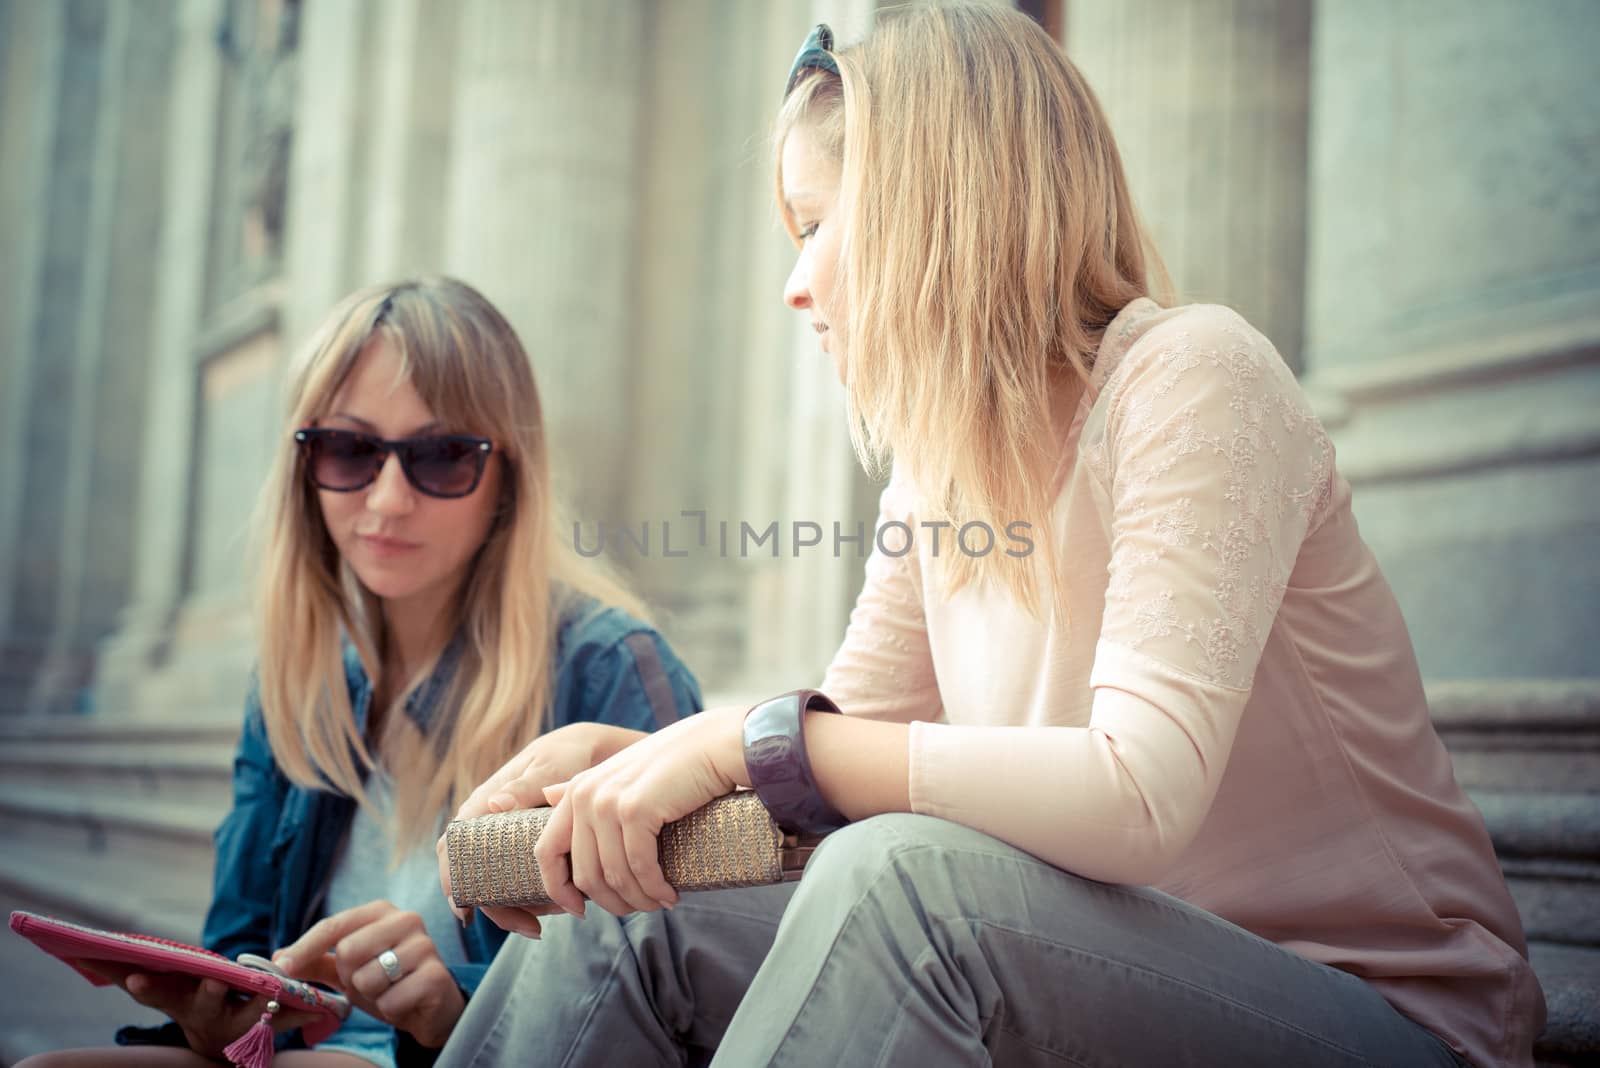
1404, 196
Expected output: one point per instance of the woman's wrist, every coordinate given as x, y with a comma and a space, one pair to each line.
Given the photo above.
726, 749
779, 767
610, 740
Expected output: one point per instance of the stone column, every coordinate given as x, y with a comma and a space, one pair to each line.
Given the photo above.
370, 89
60, 290
1208, 104
694, 188
1452, 287
714, 395
543, 209
320, 97
95, 551
414, 73
163, 537
32, 42
335, 127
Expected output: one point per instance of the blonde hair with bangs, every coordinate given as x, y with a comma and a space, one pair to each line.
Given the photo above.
989, 239
465, 361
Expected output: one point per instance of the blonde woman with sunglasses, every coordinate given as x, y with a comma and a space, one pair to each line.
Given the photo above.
1163, 791
422, 619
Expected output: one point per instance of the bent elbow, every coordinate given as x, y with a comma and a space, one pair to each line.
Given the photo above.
1152, 855
1156, 840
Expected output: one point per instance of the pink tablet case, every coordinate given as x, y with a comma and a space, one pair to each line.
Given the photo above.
72, 943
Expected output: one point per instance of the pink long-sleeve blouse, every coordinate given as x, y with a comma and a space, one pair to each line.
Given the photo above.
1231, 711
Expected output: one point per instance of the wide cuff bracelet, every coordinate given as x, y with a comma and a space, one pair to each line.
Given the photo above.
780, 771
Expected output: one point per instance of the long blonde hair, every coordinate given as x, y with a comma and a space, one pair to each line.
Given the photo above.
990, 239
465, 361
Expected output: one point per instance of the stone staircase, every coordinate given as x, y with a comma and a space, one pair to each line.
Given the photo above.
107, 824
1528, 751
110, 823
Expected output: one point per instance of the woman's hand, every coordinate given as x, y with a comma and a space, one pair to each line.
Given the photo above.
342, 951
553, 757
211, 1015
601, 839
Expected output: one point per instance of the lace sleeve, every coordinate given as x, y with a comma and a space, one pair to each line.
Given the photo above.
1217, 470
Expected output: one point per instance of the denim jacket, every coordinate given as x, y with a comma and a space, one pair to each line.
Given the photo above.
276, 848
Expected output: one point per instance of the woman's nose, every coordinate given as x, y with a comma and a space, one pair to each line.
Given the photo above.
390, 494
797, 291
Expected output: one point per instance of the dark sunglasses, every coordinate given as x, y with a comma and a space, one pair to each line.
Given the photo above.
439, 465
815, 54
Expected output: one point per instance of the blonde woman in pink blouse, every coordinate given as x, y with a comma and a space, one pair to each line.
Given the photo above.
1162, 791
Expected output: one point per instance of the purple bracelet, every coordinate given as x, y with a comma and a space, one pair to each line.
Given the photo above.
780, 772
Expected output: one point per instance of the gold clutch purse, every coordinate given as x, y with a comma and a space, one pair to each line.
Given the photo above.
728, 843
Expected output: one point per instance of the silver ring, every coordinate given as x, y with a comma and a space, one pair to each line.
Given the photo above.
390, 965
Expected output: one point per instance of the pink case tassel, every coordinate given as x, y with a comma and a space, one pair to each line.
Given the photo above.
255, 1047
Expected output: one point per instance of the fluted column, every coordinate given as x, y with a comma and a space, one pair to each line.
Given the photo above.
543, 209
111, 347
685, 329
1453, 282
337, 117
162, 533
1208, 104
32, 38
60, 280
414, 72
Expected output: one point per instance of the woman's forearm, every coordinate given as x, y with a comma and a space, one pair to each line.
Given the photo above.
1117, 802
861, 766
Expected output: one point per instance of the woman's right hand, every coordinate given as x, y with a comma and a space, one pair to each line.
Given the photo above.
551, 758
210, 1017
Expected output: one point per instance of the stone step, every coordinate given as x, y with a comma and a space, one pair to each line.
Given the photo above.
1488, 706
1568, 765
49, 1006
197, 772
1570, 976
139, 829
1528, 753
46, 1005
116, 891
1559, 901
1528, 735
212, 730
1553, 825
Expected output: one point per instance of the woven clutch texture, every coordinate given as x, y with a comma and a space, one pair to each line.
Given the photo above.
728, 843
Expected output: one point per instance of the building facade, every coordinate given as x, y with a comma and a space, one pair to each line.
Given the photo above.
1404, 196
1399, 200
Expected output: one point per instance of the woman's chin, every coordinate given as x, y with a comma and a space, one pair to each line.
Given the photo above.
391, 585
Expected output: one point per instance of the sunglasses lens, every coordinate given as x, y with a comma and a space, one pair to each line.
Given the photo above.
343, 461
444, 467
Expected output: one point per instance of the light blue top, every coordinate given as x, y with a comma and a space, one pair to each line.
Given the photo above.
364, 873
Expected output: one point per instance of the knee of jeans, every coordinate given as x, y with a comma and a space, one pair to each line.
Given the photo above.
858, 850
940, 865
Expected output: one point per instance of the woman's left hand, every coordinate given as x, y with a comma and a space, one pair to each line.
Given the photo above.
342, 951
600, 842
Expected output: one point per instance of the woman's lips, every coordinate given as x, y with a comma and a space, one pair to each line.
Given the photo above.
385, 546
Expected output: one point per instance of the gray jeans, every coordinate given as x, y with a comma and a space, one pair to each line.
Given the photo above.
915, 941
